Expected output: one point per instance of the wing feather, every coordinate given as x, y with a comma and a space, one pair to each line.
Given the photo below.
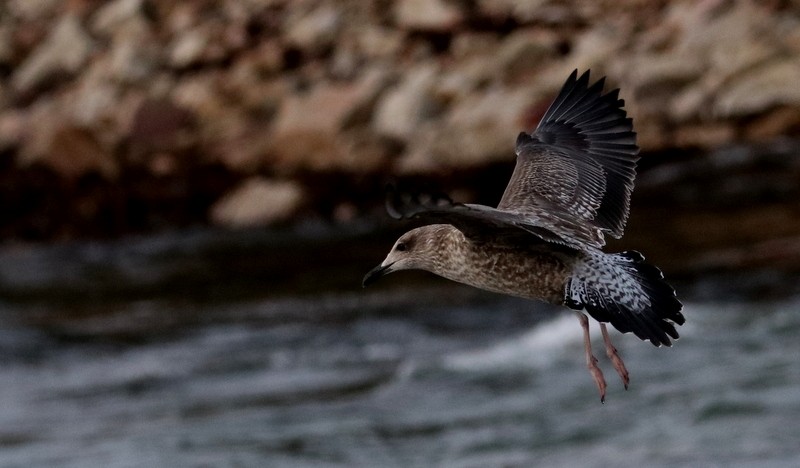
478, 222
578, 166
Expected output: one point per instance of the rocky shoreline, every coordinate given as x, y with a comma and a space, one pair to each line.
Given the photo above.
135, 116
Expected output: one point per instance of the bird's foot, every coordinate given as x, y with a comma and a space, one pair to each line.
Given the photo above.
597, 374
591, 361
613, 355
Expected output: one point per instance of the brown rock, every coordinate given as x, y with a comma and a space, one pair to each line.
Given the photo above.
427, 15
315, 30
188, 48
520, 55
6, 45
306, 131
375, 41
160, 125
404, 107
329, 107
257, 202
11, 130
479, 130
65, 50
116, 14
27, 10
760, 89
782, 121
521, 10
74, 152
709, 135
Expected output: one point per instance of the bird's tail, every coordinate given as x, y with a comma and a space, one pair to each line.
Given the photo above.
628, 293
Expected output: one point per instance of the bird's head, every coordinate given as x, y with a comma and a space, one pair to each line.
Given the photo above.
417, 249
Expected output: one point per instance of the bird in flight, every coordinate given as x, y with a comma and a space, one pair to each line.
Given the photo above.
571, 186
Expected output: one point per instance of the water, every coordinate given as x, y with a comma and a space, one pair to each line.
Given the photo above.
101, 373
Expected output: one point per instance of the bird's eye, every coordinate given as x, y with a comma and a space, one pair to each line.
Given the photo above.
401, 247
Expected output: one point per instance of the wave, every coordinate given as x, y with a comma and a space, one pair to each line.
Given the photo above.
538, 348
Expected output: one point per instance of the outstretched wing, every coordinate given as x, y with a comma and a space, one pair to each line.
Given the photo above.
477, 222
578, 166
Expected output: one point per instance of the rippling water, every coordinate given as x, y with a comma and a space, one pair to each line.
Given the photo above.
430, 375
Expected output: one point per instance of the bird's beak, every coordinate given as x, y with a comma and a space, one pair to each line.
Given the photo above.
375, 274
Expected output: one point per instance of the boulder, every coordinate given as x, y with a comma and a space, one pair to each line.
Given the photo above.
401, 110
315, 30
427, 15
257, 202
307, 132
761, 89
479, 130
64, 51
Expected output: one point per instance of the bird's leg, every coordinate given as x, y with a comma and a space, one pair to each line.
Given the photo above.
612, 354
591, 361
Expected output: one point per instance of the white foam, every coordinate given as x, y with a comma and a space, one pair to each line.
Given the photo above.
539, 347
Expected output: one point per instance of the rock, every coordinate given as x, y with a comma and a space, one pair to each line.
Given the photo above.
116, 14
28, 10
303, 149
70, 151
257, 202
479, 130
404, 107
595, 49
521, 10
134, 54
521, 53
316, 30
160, 125
303, 137
11, 130
711, 135
375, 41
427, 15
75, 152
760, 89
330, 107
6, 47
783, 121
666, 72
65, 50
188, 48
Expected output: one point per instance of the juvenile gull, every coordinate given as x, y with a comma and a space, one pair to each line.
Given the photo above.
571, 185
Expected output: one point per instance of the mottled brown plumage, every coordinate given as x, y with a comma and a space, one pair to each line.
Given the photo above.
571, 185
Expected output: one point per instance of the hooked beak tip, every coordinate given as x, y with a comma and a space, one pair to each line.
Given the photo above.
375, 274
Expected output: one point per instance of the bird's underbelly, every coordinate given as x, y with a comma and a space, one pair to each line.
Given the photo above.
527, 274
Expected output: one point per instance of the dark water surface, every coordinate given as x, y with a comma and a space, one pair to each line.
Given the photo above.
199, 349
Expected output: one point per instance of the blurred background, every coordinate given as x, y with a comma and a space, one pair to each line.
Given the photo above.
191, 191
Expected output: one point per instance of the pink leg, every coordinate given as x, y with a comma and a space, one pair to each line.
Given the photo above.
591, 361
612, 354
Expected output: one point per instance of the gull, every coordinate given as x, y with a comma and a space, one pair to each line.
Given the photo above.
570, 187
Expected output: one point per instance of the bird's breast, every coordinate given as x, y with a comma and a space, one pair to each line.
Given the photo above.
532, 272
